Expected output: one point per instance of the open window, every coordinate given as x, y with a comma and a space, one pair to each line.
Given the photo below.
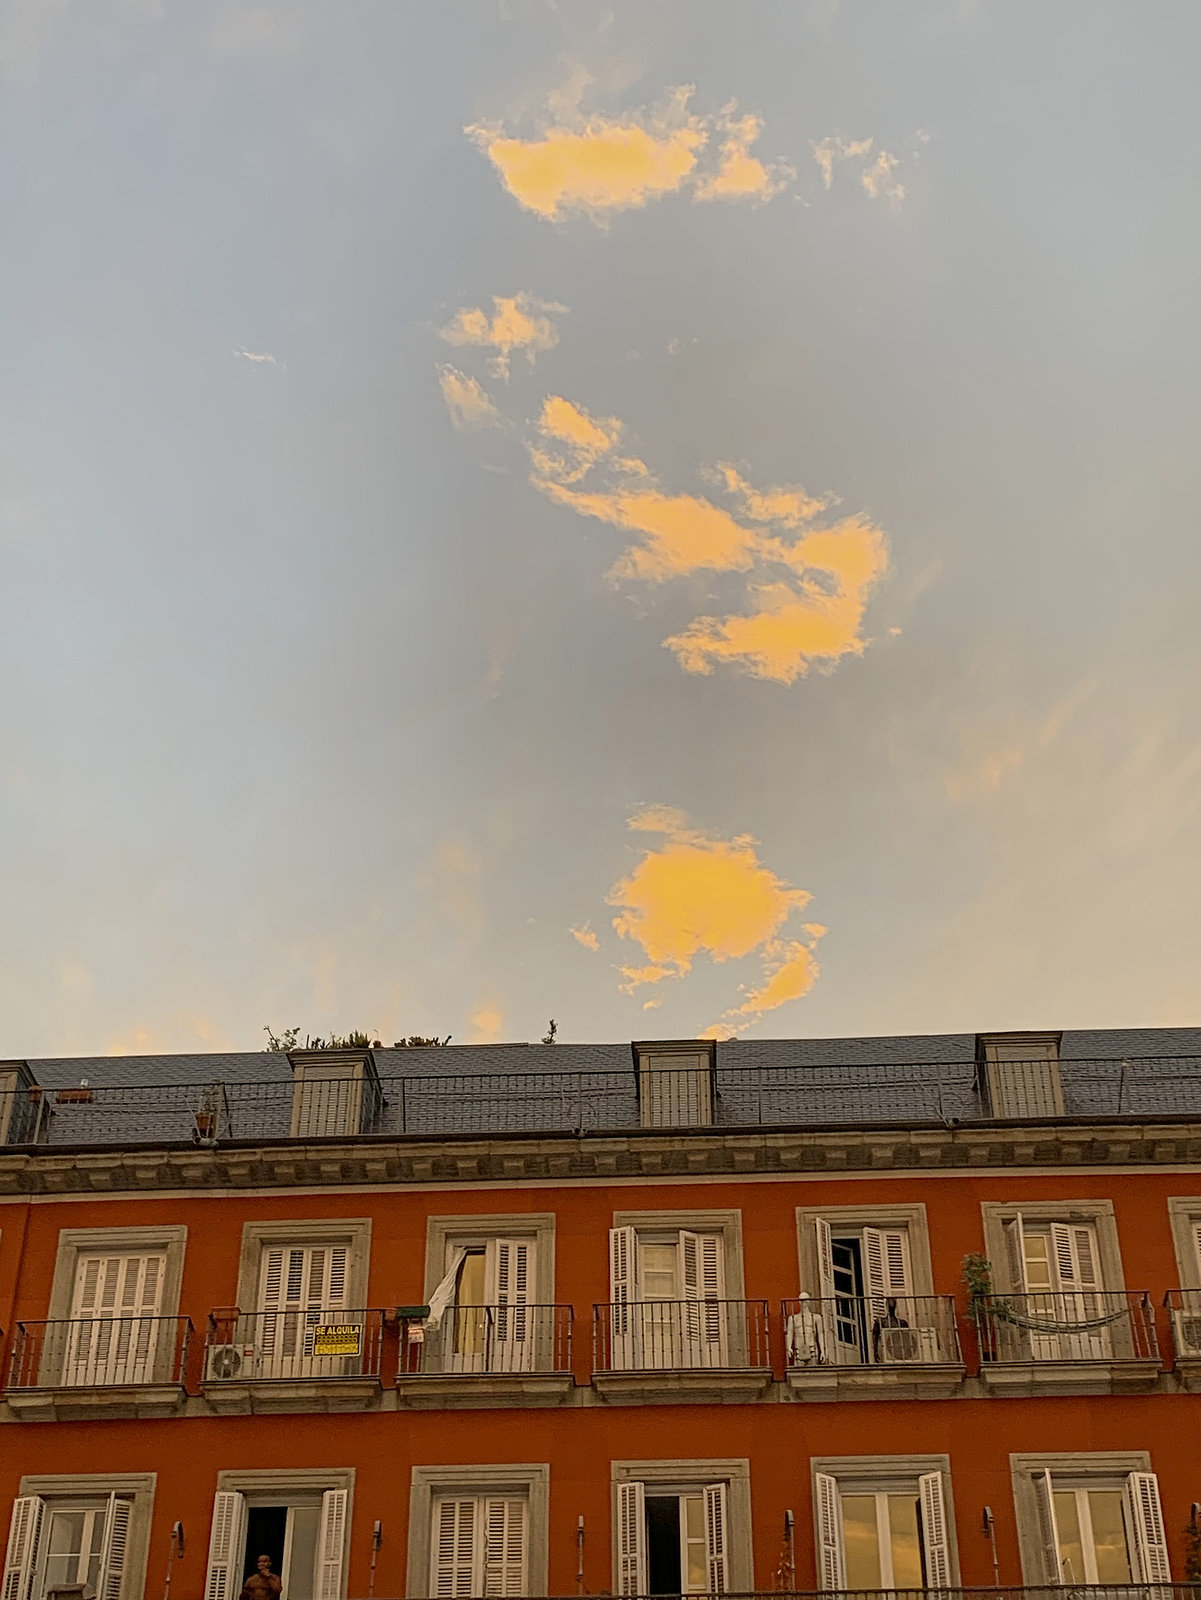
301, 1530
1019, 1074
1055, 1271
485, 1309
672, 1538
668, 1299
1086, 1521
883, 1523
80, 1541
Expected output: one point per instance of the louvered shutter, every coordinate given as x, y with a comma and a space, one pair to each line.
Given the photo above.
1074, 1254
716, 1538
109, 1342
886, 1255
24, 1544
1146, 1521
331, 1545
511, 1291
1048, 1527
1196, 1232
227, 1547
631, 1538
702, 1277
623, 1294
831, 1550
504, 1545
824, 1246
453, 1549
936, 1547
113, 1547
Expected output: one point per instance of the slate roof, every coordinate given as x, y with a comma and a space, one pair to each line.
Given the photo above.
474, 1089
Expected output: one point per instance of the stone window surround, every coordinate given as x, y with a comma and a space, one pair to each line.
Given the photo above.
727, 1223
140, 1486
670, 1475
1108, 1467
888, 1475
1183, 1212
171, 1237
530, 1478
1100, 1213
305, 1481
909, 1215
442, 1233
352, 1231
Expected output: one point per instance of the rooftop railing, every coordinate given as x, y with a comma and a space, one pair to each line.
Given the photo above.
894, 1331
99, 1352
1083, 1325
566, 1101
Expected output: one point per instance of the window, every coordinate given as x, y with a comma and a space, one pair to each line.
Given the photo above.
485, 1309
681, 1527
675, 1084
299, 1525
668, 1294
115, 1329
20, 1103
1085, 1520
1056, 1267
335, 1092
82, 1533
1020, 1073
478, 1530
883, 1523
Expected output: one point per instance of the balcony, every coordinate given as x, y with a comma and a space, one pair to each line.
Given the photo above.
648, 1351
98, 1366
276, 1361
488, 1356
873, 1347
1184, 1314
1078, 1342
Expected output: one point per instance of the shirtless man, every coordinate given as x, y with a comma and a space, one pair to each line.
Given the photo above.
263, 1584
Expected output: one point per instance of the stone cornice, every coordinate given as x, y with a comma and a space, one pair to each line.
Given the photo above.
562, 1158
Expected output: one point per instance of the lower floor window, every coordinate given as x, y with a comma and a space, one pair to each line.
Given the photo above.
479, 1545
1102, 1533
287, 1536
882, 1533
297, 1536
880, 1528
672, 1540
57, 1544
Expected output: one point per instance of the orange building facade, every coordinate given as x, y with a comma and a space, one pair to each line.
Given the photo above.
679, 1318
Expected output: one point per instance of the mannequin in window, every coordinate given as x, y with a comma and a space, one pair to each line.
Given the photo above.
890, 1319
262, 1584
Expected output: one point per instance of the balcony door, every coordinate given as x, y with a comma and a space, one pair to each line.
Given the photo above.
866, 1290
1061, 1310
301, 1287
112, 1337
494, 1316
668, 1300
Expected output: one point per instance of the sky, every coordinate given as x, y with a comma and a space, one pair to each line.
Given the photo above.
675, 516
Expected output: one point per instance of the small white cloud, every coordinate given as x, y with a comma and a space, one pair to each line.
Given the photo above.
260, 357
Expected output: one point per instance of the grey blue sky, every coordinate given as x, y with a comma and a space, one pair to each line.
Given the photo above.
338, 660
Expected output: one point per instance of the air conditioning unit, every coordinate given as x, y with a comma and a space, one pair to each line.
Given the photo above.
228, 1361
1188, 1333
909, 1345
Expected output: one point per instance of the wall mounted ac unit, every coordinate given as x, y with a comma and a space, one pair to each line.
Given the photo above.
1188, 1333
910, 1346
229, 1361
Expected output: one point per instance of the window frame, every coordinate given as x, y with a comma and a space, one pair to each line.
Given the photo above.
910, 1215
353, 1232
529, 1478
446, 1233
1097, 1213
170, 1238
1184, 1214
138, 1486
253, 1483
885, 1475
683, 1476
727, 1224
1101, 1469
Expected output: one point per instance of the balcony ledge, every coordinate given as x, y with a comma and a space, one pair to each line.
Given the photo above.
112, 1402
1188, 1370
448, 1390
877, 1382
266, 1397
1027, 1379
687, 1385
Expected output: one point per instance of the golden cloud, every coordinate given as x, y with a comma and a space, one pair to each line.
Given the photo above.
596, 165
469, 404
875, 175
812, 614
486, 1019
522, 322
698, 894
586, 936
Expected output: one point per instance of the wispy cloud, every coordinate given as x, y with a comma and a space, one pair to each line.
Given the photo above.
807, 587
467, 401
697, 894
596, 165
486, 1019
259, 358
521, 322
586, 936
876, 166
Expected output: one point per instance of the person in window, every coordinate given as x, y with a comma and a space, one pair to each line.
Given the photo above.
890, 1319
262, 1584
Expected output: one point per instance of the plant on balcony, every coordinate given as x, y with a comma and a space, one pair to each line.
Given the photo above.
1192, 1548
977, 1278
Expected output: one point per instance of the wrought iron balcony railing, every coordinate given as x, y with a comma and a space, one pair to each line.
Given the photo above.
1085, 1325
99, 1352
1067, 1591
872, 1330
476, 1340
1184, 1314
292, 1346
679, 1335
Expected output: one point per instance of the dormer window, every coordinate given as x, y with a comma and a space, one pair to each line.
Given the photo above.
335, 1093
20, 1102
1019, 1073
675, 1084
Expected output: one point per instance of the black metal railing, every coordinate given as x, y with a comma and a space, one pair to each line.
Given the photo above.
1080, 1325
1067, 1591
474, 1340
565, 1101
872, 1330
678, 1335
292, 1346
99, 1352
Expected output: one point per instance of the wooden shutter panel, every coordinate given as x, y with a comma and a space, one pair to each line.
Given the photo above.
936, 1547
505, 1545
716, 1538
623, 1293
1048, 1527
1146, 1520
631, 1538
511, 1289
24, 1542
331, 1545
227, 1547
886, 1256
453, 1549
824, 1245
113, 1548
1015, 1254
1196, 1233
831, 1551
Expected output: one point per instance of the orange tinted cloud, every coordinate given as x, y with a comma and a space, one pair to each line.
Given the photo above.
469, 404
586, 936
486, 1022
811, 613
742, 176
522, 323
875, 172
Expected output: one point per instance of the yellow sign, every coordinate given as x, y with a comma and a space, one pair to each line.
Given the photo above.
337, 1339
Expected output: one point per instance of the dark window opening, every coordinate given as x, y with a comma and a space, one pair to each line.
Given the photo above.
266, 1535
663, 1544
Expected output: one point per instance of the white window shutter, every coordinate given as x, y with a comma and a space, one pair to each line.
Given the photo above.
623, 1293
1088, 1265
631, 1538
824, 1244
113, 1548
1015, 1254
504, 1546
24, 1543
886, 1255
331, 1545
511, 1288
717, 1538
1146, 1520
453, 1549
227, 1547
936, 1544
1048, 1527
831, 1550
1196, 1232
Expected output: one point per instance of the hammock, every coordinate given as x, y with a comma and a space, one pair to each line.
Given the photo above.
1005, 1313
